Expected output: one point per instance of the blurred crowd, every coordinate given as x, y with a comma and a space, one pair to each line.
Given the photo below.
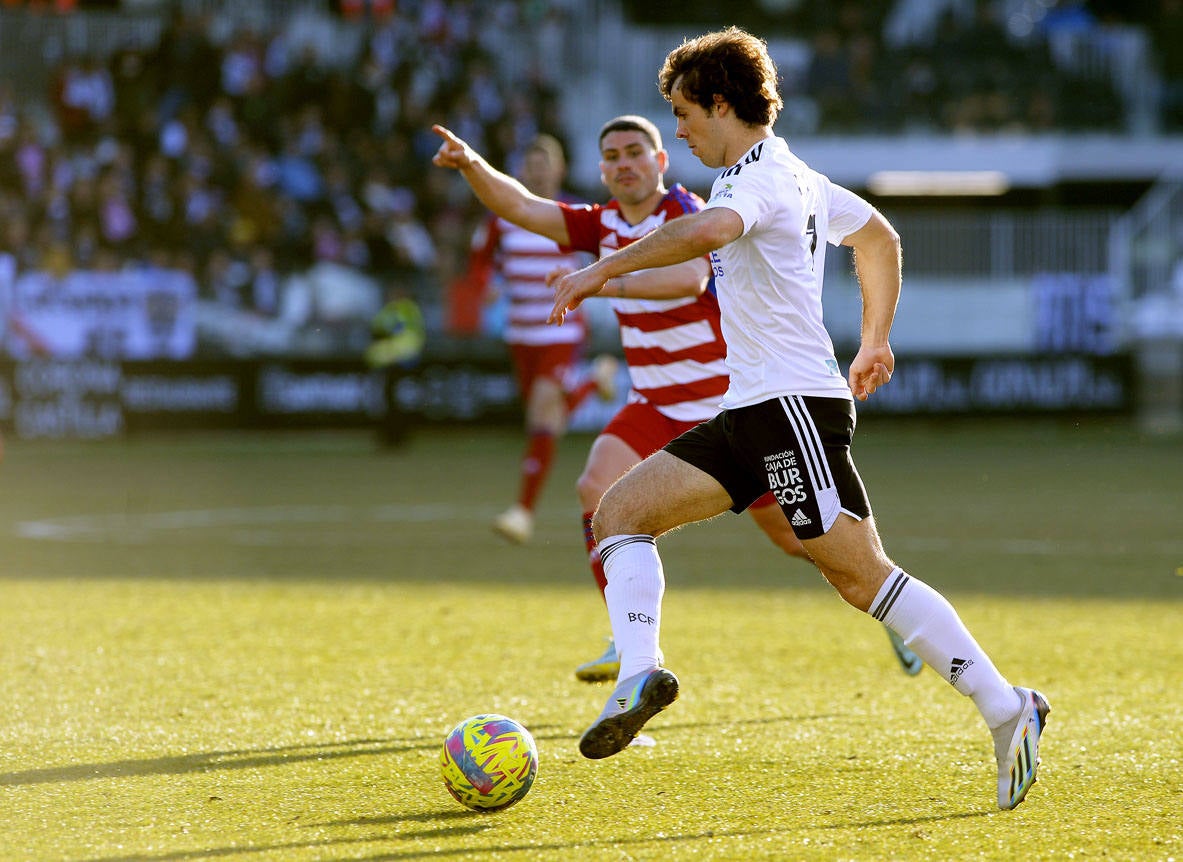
245, 155
977, 67
957, 74
250, 157
963, 65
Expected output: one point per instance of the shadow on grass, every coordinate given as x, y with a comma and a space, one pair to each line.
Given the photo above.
475, 823
577, 849
747, 722
910, 821
218, 852
210, 761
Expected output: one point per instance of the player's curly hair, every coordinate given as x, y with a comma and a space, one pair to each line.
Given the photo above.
731, 63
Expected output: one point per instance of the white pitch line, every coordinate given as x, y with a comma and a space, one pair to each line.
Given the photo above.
249, 525
122, 526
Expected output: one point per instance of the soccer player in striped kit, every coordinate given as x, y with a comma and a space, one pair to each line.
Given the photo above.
543, 357
788, 414
669, 321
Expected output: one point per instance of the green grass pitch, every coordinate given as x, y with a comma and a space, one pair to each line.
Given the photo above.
250, 647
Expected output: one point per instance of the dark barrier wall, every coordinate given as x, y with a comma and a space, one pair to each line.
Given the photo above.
99, 398
96, 398
1018, 384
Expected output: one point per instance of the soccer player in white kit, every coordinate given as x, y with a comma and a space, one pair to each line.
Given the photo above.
788, 417
670, 325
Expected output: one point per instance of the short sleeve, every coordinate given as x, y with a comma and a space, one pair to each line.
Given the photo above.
583, 227
848, 213
744, 194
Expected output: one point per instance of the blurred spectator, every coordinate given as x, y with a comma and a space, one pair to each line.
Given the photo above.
828, 82
265, 282
1167, 36
415, 254
84, 96
118, 227
228, 280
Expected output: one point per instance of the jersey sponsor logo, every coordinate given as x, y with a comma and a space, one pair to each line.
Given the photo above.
716, 265
723, 193
752, 157
800, 519
784, 479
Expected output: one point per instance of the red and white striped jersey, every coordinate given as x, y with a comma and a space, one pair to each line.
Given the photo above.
674, 347
523, 260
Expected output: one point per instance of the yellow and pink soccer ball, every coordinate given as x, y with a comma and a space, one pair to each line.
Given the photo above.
489, 762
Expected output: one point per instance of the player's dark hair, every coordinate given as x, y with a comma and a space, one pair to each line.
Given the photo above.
631, 123
731, 63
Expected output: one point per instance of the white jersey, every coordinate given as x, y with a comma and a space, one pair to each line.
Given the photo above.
769, 280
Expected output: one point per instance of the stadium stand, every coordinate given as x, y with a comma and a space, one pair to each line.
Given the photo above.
249, 143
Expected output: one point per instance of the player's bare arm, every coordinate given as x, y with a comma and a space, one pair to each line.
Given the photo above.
678, 241
666, 282
500, 192
877, 260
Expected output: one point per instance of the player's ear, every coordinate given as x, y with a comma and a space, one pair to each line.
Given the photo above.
603, 173
721, 105
663, 161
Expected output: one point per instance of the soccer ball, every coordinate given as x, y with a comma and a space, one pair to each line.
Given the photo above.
489, 762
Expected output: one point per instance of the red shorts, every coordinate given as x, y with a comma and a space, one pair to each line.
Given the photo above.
645, 429
532, 361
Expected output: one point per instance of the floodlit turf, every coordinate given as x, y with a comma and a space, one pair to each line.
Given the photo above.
252, 647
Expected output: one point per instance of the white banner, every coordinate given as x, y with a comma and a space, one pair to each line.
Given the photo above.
109, 315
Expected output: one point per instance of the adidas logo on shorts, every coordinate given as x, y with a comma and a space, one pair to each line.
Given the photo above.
800, 519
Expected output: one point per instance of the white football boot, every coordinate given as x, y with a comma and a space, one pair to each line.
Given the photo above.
1016, 746
632, 703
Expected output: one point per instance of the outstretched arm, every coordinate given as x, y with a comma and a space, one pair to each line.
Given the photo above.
683, 239
500, 192
877, 261
665, 282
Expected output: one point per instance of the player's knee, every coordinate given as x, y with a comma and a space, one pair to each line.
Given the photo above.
545, 408
788, 542
795, 549
599, 524
610, 518
590, 490
855, 587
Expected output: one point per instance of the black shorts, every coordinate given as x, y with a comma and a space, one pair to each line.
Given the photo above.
797, 446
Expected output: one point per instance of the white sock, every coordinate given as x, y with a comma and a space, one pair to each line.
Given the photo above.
636, 583
929, 625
